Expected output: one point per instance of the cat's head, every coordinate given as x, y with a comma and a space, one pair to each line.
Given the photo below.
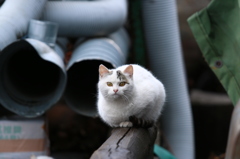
116, 84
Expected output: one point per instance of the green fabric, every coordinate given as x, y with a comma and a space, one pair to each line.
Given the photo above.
162, 153
217, 32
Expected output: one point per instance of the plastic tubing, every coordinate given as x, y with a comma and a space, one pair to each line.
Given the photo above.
86, 18
164, 51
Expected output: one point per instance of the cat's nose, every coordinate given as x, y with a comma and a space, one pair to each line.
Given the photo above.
115, 90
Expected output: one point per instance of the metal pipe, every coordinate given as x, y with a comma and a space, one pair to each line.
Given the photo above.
44, 31
32, 77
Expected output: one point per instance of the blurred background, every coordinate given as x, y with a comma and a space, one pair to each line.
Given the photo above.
76, 135
211, 120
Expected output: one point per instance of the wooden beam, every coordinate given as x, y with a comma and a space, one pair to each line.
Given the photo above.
128, 143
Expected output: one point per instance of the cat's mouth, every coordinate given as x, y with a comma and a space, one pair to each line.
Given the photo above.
116, 95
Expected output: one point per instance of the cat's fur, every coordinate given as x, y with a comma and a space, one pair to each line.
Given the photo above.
142, 96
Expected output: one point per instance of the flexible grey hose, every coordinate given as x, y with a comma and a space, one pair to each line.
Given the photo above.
86, 18
15, 17
163, 43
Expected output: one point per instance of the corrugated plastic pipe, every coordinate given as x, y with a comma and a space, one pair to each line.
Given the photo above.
15, 16
82, 69
32, 72
86, 18
164, 51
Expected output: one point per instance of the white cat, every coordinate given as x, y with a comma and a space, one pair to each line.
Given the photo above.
129, 90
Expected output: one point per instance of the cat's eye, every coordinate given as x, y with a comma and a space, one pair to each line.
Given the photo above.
109, 84
122, 84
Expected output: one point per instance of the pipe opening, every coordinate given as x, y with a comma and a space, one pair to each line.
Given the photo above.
27, 78
81, 91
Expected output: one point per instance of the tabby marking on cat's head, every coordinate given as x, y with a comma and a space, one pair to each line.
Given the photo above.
121, 76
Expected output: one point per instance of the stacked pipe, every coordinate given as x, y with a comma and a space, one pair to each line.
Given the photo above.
33, 76
32, 71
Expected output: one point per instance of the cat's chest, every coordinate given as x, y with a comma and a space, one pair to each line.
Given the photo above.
119, 108
118, 113
120, 105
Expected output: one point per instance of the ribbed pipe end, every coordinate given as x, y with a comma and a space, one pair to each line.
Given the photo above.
82, 70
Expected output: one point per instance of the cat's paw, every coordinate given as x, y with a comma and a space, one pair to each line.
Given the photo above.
126, 124
139, 122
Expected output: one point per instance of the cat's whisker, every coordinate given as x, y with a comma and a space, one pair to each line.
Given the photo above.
126, 98
105, 95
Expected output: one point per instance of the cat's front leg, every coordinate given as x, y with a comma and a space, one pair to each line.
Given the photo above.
126, 124
140, 122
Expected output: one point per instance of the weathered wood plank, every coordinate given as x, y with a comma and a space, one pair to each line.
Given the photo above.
128, 143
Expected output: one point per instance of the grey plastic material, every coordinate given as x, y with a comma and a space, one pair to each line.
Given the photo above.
86, 18
44, 31
82, 69
61, 46
163, 43
32, 77
15, 17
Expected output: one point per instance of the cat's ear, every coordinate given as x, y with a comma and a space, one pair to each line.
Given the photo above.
103, 70
129, 70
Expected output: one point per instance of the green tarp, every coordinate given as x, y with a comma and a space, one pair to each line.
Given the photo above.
217, 32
